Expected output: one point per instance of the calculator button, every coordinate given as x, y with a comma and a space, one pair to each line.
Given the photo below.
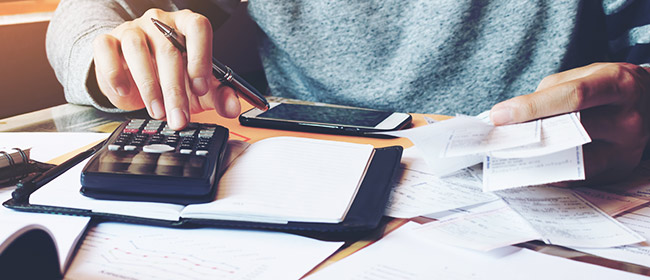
136, 122
168, 132
185, 151
149, 131
206, 134
201, 152
130, 148
157, 148
113, 147
186, 133
131, 130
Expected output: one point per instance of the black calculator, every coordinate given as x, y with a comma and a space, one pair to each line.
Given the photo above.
145, 160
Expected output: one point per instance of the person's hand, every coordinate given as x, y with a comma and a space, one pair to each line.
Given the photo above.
136, 67
613, 101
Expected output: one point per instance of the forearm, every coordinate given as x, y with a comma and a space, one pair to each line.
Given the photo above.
70, 34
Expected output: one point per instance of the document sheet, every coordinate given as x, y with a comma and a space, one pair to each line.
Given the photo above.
418, 192
483, 228
639, 221
562, 217
512, 155
403, 255
123, 251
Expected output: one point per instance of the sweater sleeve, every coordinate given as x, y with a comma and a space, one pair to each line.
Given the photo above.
628, 30
69, 39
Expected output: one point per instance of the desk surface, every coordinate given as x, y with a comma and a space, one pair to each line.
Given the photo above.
73, 118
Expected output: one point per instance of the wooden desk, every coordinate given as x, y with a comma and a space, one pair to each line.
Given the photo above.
85, 119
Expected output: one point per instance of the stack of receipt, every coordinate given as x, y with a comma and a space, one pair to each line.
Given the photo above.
533, 153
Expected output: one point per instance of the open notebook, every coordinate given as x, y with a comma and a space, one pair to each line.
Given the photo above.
286, 183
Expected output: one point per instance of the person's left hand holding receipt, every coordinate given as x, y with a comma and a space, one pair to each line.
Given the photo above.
136, 67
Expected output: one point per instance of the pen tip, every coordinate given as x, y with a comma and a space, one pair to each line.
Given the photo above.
161, 26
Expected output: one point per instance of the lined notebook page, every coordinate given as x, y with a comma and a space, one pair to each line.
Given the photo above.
284, 179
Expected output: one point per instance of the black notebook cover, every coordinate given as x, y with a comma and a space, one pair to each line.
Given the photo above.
364, 216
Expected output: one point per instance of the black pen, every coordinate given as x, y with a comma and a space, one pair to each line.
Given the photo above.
222, 72
25, 188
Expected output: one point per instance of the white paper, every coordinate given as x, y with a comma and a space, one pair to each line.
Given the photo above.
402, 255
289, 179
505, 173
611, 203
558, 133
122, 251
639, 221
49, 145
481, 140
515, 155
63, 191
432, 139
492, 225
418, 192
66, 230
564, 218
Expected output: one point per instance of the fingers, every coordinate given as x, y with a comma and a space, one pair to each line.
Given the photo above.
112, 76
222, 98
136, 66
171, 76
569, 75
139, 60
615, 84
198, 34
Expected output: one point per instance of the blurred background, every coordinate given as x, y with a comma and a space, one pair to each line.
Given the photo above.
27, 82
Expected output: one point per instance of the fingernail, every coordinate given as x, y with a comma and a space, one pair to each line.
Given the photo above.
157, 109
121, 91
178, 118
199, 86
501, 115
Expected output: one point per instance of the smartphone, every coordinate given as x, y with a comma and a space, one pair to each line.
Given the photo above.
325, 119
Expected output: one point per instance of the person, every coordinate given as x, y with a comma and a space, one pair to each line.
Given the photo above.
522, 60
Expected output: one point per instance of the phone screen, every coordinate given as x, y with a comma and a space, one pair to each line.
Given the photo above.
325, 114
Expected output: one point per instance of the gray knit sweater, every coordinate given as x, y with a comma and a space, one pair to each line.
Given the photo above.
428, 56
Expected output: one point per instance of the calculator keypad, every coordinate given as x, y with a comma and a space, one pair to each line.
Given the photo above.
147, 135
145, 160
150, 147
